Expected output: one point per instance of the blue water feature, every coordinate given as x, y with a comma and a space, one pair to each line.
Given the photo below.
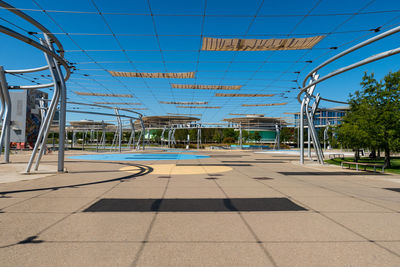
137, 157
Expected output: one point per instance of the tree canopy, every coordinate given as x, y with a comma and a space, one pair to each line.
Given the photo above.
373, 120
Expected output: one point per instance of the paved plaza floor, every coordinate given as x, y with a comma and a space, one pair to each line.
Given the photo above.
234, 208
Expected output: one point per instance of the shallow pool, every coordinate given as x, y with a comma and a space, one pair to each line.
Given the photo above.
137, 156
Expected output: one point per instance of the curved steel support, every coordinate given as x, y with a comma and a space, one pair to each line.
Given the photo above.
198, 137
310, 87
169, 137
301, 128
143, 132
37, 45
99, 113
351, 49
312, 131
173, 136
31, 87
24, 16
350, 67
51, 113
162, 136
240, 136
304, 110
43, 128
108, 107
277, 137
2, 108
119, 130
6, 101
132, 137
27, 70
59, 80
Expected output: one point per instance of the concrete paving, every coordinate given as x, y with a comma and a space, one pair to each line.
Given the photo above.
350, 218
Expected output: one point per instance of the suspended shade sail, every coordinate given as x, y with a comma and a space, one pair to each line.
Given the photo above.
244, 95
117, 103
263, 105
206, 87
235, 44
196, 107
174, 75
100, 94
183, 103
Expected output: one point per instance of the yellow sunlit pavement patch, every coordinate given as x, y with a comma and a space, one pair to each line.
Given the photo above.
172, 169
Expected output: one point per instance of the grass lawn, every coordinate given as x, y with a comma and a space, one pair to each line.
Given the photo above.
395, 162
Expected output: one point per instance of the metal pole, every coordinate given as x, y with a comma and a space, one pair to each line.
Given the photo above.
2, 103
169, 137
43, 131
132, 137
173, 136
301, 128
3, 108
240, 136
97, 141
56, 78
277, 136
63, 109
143, 131
162, 137
114, 140
315, 139
198, 137
42, 106
5, 134
133, 134
103, 135
303, 110
308, 138
119, 130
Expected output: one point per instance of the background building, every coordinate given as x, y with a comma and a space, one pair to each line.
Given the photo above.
26, 116
324, 115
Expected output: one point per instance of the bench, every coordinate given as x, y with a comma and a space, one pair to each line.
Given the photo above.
363, 164
337, 155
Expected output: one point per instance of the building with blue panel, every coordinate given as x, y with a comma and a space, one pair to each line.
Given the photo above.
325, 116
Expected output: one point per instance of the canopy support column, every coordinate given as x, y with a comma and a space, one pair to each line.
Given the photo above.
304, 111
6, 102
119, 130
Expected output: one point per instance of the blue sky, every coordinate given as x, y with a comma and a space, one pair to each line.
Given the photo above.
176, 48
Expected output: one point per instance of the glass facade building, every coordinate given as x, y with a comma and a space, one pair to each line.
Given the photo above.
323, 116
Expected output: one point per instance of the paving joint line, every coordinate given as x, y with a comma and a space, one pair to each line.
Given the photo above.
342, 225
258, 241
151, 225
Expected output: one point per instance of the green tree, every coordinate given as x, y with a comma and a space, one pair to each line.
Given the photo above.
351, 135
374, 117
228, 140
181, 135
217, 137
231, 133
287, 134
